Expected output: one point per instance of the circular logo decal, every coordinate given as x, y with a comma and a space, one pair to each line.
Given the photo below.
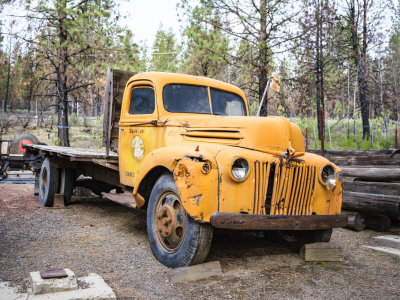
137, 148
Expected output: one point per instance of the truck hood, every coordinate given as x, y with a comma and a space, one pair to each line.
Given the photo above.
273, 135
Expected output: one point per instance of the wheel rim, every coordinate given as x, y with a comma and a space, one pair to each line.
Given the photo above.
169, 221
43, 181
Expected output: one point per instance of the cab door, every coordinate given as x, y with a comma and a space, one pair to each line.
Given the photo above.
138, 131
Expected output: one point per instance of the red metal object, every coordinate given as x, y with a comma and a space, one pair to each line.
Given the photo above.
20, 145
276, 222
53, 273
321, 122
306, 138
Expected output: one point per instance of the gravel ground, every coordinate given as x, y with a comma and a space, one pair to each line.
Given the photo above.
94, 235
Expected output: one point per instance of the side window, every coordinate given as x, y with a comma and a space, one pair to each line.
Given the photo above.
142, 101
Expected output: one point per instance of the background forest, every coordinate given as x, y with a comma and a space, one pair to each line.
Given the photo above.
339, 62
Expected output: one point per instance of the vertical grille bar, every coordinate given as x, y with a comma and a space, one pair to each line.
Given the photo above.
310, 191
275, 191
257, 182
280, 190
266, 168
288, 190
293, 197
306, 191
302, 188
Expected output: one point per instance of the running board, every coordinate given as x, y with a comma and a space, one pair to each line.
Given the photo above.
126, 199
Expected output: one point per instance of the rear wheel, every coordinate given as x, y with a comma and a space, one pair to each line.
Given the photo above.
175, 238
296, 238
67, 184
48, 182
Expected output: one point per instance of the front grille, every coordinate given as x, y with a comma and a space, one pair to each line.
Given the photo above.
283, 188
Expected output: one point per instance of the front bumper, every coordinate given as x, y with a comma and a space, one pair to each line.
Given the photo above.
274, 222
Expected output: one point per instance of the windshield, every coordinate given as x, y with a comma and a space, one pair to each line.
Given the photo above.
182, 98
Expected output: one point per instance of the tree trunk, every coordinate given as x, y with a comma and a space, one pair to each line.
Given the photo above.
61, 70
359, 60
7, 86
319, 70
262, 68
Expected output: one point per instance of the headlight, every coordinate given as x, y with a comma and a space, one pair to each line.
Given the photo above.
328, 176
240, 169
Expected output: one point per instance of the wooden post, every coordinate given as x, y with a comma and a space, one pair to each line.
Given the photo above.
306, 138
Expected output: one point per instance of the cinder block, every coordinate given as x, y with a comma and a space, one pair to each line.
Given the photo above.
322, 252
195, 272
44, 286
392, 241
390, 251
96, 289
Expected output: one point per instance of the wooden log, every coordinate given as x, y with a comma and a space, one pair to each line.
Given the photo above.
355, 220
387, 188
372, 203
361, 157
373, 174
322, 252
378, 222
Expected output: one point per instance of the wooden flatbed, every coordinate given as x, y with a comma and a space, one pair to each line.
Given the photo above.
96, 156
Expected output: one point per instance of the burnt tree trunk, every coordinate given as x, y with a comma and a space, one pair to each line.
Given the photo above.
319, 70
61, 71
359, 57
262, 68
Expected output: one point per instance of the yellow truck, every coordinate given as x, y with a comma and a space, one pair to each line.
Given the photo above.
186, 149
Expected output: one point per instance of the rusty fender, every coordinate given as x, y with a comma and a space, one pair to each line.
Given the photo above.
273, 222
196, 177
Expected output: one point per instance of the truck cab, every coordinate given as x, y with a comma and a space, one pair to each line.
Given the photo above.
196, 160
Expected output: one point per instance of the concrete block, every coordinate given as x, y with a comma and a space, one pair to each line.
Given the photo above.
390, 251
322, 252
392, 241
9, 293
96, 289
195, 272
45, 286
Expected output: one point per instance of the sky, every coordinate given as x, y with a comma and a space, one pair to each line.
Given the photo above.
143, 17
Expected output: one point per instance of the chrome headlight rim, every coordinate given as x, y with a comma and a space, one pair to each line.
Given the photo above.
327, 184
235, 160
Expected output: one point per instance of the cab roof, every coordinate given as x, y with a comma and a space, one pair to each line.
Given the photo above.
160, 79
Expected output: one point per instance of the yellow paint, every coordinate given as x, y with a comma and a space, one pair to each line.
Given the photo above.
183, 142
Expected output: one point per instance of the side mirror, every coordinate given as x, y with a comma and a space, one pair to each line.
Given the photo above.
275, 83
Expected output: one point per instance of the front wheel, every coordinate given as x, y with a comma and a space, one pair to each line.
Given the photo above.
175, 238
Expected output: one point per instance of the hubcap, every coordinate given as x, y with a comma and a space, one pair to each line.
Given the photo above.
169, 220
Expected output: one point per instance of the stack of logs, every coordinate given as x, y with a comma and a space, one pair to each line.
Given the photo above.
371, 187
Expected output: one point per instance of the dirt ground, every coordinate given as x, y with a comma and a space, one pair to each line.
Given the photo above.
94, 235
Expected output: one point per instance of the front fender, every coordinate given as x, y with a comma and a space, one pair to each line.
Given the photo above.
198, 191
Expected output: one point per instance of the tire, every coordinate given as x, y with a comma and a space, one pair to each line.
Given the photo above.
67, 184
175, 238
296, 238
48, 183
25, 138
